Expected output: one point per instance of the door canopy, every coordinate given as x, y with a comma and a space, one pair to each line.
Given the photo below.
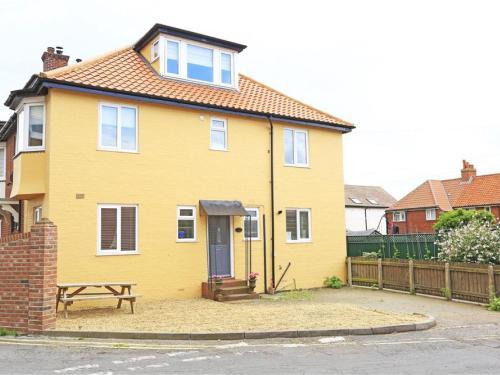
223, 208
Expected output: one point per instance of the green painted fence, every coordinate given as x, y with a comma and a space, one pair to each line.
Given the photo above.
403, 246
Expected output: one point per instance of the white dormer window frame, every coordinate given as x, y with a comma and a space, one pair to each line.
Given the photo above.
155, 50
23, 125
182, 74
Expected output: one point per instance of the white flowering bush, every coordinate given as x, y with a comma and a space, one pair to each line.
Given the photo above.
475, 242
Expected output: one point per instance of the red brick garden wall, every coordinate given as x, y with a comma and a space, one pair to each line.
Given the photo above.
28, 276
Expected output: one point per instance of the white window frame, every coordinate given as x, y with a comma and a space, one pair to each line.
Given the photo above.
193, 217
119, 128
297, 213
355, 200
295, 163
255, 220
157, 45
37, 214
216, 62
212, 147
164, 55
22, 136
430, 214
402, 216
372, 201
118, 250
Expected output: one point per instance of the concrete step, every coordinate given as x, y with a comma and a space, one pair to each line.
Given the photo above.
227, 290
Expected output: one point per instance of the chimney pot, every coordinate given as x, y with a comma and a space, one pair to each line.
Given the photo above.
50, 49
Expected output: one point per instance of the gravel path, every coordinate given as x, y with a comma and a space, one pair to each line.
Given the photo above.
202, 315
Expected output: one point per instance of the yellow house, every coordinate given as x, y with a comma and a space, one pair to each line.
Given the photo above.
161, 164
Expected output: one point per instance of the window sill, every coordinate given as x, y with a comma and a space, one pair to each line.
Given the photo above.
218, 149
200, 82
297, 166
186, 241
117, 150
114, 253
253, 239
300, 241
28, 151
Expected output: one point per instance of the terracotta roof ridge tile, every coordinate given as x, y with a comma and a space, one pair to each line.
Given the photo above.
432, 190
340, 121
84, 64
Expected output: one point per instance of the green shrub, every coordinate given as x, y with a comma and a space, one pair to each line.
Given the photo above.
460, 217
494, 304
333, 282
7, 332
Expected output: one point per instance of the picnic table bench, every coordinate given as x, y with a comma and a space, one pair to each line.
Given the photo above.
69, 293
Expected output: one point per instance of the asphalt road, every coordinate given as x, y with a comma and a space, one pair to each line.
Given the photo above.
452, 350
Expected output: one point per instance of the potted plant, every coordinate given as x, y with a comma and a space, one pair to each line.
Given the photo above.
252, 280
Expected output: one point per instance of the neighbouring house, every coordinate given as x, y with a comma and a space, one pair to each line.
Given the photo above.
418, 211
365, 208
161, 164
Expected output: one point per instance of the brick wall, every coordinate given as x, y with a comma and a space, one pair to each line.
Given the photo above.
28, 275
415, 222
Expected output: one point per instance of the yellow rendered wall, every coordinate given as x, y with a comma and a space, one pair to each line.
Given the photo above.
174, 166
146, 52
29, 174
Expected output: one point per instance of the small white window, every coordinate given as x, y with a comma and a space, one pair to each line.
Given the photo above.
399, 216
430, 214
118, 128
372, 201
37, 214
117, 229
298, 225
296, 148
172, 59
355, 200
251, 224
31, 128
218, 134
186, 223
155, 50
487, 208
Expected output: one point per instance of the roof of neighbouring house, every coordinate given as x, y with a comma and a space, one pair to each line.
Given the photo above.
448, 194
125, 71
364, 194
369, 232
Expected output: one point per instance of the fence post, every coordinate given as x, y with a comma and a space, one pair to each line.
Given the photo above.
491, 282
447, 281
349, 271
380, 279
412, 279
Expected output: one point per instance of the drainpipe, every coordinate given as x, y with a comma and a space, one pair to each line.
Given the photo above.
273, 275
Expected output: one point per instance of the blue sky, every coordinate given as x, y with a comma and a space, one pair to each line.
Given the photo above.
420, 79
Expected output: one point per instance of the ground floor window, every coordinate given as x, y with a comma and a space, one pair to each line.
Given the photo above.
186, 223
251, 224
117, 226
298, 225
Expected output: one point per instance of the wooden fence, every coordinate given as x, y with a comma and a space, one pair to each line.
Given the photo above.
463, 281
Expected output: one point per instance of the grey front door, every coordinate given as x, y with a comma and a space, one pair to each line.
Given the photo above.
219, 246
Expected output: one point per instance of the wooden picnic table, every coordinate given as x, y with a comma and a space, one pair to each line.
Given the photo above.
70, 292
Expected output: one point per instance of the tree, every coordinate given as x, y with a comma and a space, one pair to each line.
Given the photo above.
460, 217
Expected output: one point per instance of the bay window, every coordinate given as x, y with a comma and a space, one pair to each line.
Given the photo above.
31, 127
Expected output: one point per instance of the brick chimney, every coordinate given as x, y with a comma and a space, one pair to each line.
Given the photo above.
54, 58
468, 171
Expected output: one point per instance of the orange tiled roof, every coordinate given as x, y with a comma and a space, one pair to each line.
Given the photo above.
447, 194
126, 70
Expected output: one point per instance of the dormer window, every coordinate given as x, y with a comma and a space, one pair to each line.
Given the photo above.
197, 62
155, 50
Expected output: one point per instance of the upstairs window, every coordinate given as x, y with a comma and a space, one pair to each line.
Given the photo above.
117, 229
172, 57
399, 216
296, 148
31, 128
2, 163
200, 63
298, 225
118, 128
218, 134
430, 214
226, 74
